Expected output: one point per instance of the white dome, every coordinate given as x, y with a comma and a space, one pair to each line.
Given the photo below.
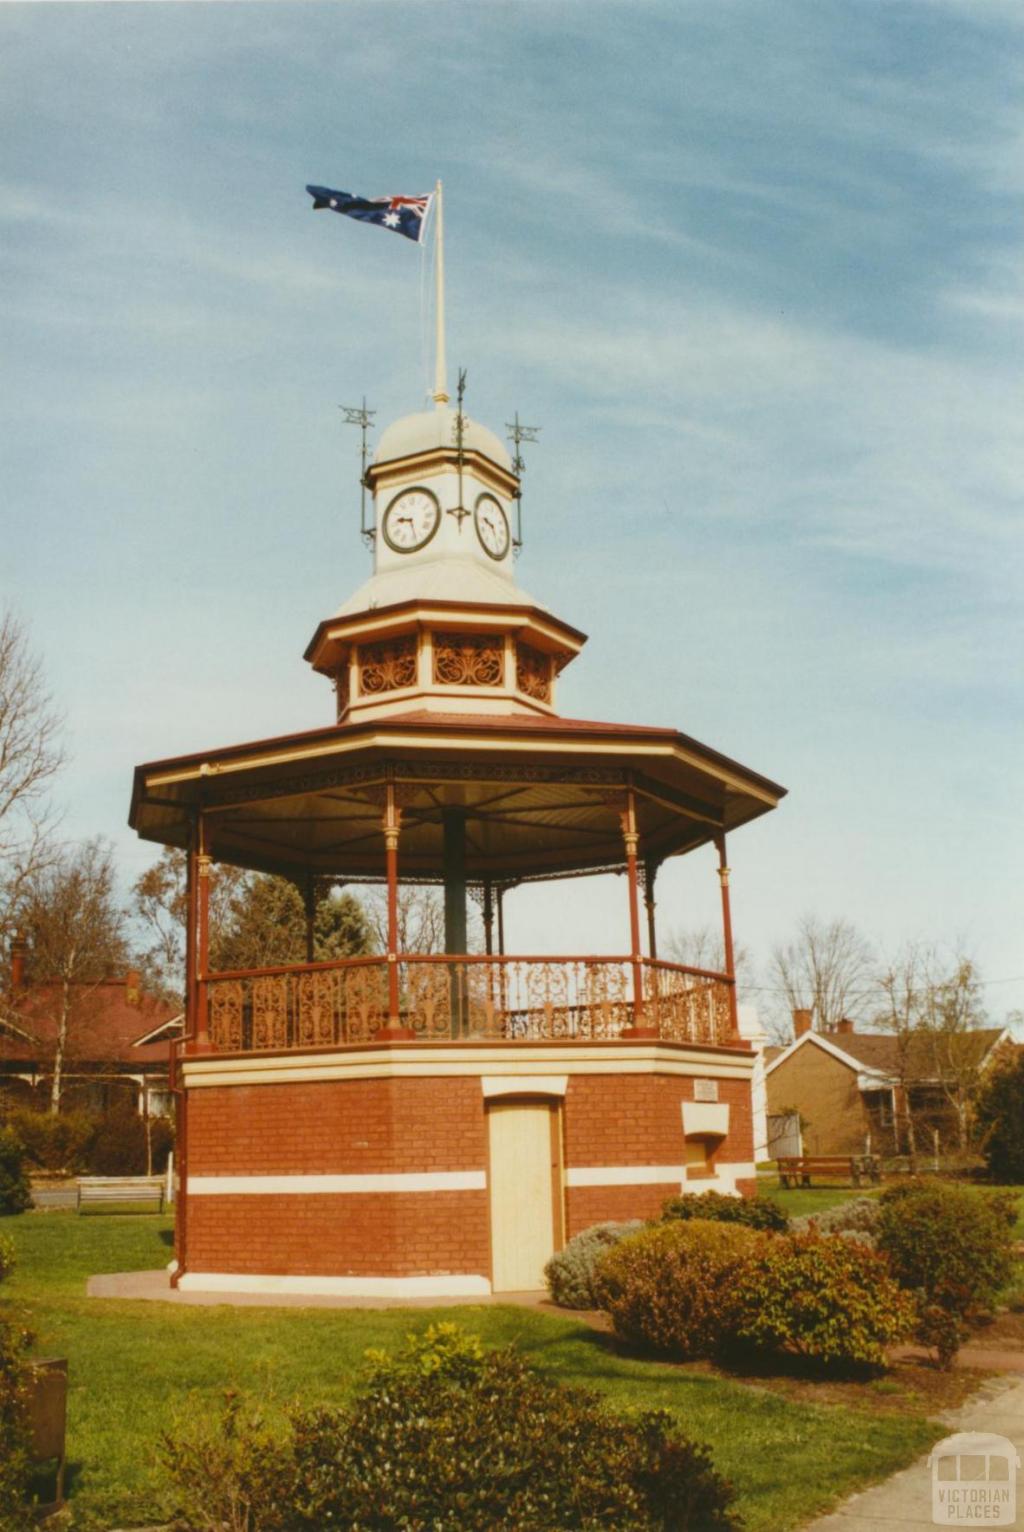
438, 428
437, 580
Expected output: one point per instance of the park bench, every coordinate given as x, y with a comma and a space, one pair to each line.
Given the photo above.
856, 1168
120, 1191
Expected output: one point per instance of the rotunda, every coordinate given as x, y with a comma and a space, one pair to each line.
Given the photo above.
438, 1123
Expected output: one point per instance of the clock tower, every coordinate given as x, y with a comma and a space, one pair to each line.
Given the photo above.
442, 626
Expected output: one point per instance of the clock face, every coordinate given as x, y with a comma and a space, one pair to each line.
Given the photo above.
491, 526
411, 520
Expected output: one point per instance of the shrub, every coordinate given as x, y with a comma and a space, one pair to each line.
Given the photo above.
570, 1273
755, 1212
951, 1247
858, 1218
822, 1298
671, 1286
15, 1195
55, 1141
14, 1428
999, 1115
449, 1437
119, 1148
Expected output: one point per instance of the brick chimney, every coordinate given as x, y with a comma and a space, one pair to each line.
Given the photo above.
845, 1026
19, 947
132, 986
801, 1022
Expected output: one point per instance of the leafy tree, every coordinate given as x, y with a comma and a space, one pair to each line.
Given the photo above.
265, 924
30, 758
999, 1114
828, 970
159, 904
76, 938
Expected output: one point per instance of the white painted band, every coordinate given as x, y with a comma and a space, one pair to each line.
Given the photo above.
520, 1061
285, 1185
525, 1085
626, 1175
650, 1175
452, 1285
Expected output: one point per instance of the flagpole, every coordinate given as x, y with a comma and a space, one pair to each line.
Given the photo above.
440, 383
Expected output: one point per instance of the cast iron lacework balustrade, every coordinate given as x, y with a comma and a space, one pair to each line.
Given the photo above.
468, 659
533, 673
387, 667
443, 999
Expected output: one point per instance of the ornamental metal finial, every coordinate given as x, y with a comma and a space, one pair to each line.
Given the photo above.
363, 418
517, 434
459, 511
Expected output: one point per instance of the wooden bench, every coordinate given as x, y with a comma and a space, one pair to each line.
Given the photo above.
855, 1168
119, 1191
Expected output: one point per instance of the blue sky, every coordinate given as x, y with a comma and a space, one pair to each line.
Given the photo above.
755, 269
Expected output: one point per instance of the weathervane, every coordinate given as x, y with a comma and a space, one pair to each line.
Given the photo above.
517, 434
363, 418
459, 511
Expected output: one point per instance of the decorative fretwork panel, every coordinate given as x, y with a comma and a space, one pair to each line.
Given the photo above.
533, 673
387, 667
225, 1015
468, 659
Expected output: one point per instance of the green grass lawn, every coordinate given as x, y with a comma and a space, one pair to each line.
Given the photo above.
134, 1365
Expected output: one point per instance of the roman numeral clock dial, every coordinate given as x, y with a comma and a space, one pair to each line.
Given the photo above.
411, 520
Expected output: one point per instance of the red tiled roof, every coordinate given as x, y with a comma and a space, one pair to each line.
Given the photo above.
106, 1025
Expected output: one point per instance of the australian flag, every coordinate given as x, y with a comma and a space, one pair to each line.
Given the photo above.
406, 215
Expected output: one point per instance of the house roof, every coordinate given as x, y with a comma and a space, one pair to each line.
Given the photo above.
109, 1028
878, 1053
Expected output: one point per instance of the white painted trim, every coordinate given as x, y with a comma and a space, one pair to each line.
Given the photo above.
725, 1176
626, 1175
705, 1119
515, 1085
450, 1285
277, 1186
442, 1060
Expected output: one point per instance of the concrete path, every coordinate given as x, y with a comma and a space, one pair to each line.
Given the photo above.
156, 1286
905, 1500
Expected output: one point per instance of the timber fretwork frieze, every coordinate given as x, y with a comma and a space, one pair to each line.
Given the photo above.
387, 667
468, 659
533, 673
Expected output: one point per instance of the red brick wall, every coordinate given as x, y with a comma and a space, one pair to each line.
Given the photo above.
337, 1127
637, 1120
395, 1234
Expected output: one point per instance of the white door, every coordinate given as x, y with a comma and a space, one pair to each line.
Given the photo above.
524, 1171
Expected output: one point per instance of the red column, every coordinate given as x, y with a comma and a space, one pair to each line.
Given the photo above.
191, 904
203, 860
730, 965
650, 873
394, 1031
631, 837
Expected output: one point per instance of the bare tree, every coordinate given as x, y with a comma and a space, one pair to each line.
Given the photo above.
30, 757
160, 903
704, 947
420, 918
952, 1011
902, 986
828, 970
76, 938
